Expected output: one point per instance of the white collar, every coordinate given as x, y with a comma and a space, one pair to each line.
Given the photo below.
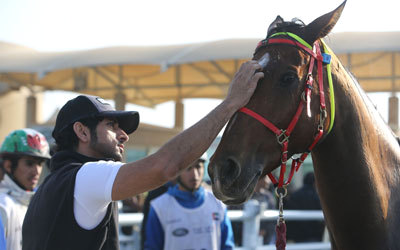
9, 187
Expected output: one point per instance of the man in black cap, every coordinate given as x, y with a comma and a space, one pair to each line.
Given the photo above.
74, 208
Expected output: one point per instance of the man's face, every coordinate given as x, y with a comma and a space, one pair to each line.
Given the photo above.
28, 171
109, 140
192, 177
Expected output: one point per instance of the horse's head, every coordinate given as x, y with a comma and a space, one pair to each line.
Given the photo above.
283, 115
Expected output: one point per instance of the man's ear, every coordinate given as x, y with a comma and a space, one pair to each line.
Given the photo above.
81, 131
7, 166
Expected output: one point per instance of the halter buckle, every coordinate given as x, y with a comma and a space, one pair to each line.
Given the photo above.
322, 118
282, 137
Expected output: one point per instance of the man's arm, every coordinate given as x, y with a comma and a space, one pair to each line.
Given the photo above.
137, 177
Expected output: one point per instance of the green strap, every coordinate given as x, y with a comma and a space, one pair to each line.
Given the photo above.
299, 39
331, 93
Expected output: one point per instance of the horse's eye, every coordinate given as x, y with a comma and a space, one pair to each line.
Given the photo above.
289, 78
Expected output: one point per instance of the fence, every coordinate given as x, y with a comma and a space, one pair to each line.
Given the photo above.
251, 216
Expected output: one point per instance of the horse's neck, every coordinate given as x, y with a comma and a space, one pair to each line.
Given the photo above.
356, 165
359, 134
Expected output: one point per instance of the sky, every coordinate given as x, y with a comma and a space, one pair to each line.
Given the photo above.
58, 25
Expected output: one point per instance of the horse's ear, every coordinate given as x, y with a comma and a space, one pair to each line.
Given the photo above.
272, 27
321, 26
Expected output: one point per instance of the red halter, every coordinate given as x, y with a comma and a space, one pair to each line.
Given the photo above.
283, 136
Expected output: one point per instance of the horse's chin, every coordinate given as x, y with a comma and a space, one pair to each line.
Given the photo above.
241, 195
235, 201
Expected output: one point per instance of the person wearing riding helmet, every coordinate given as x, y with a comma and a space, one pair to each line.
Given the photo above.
23, 153
188, 216
75, 207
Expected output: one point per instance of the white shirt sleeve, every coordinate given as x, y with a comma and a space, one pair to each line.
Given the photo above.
92, 194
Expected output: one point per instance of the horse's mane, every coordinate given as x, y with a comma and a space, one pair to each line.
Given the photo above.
368, 101
280, 25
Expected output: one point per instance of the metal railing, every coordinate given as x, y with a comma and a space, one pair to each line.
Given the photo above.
251, 216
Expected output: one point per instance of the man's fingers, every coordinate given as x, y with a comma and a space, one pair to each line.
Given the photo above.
258, 75
254, 64
244, 83
250, 68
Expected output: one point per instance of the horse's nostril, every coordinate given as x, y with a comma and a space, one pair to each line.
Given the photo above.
230, 170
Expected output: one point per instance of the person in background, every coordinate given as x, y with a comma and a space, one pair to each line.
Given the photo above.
76, 205
146, 207
305, 198
188, 216
23, 154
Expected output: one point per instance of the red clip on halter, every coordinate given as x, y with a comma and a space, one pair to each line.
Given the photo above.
283, 136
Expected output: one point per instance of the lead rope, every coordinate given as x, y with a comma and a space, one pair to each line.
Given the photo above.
280, 227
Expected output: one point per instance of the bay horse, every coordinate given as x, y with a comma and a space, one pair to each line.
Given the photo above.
308, 102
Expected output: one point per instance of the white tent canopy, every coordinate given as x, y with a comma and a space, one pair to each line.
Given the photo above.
15, 58
155, 74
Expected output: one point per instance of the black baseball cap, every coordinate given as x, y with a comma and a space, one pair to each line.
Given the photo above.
86, 106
